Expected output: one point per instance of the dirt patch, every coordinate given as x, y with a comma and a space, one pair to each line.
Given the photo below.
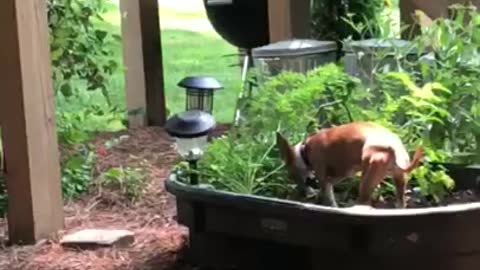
159, 240
416, 201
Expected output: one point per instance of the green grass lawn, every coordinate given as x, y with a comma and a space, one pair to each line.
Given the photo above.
189, 53
185, 53
190, 47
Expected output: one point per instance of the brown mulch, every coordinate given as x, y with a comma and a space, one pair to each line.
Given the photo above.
159, 240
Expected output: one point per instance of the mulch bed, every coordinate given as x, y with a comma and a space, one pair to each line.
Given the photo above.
159, 240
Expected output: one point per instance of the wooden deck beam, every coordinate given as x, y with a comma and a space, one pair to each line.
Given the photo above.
28, 122
288, 19
142, 54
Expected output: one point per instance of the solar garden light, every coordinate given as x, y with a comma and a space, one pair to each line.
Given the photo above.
200, 90
190, 130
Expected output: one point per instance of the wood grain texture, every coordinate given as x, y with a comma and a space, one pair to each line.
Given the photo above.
28, 122
142, 52
288, 19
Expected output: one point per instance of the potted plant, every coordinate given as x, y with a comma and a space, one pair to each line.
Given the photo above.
243, 212
445, 54
456, 67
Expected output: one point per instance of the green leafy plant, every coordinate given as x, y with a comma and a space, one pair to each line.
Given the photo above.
296, 102
410, 111
77, 171
246, 160
83, 60
432, 103
75, 127
327, 22
82, 57
244, 165
454, 42
434, 183
129, 181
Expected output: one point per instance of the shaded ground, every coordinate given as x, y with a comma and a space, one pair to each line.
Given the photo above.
159, 239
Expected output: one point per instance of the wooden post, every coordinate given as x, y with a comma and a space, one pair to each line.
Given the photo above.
142, 53
28, 122
288, 19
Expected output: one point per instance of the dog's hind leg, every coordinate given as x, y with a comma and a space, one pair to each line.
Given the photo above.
400, 181
374, 169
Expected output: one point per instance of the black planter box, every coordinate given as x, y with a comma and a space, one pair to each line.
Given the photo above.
229, 230
465, 176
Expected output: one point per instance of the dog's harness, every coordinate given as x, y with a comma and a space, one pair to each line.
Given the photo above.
303, 155
311, 182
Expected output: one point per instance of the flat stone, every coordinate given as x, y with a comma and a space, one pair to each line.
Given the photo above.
94, 238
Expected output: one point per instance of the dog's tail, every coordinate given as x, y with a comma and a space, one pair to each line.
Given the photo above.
402, 158
416, 159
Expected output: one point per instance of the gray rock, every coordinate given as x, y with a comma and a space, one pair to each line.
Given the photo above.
95, 238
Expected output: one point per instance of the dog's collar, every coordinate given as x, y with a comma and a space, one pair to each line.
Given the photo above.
303, 154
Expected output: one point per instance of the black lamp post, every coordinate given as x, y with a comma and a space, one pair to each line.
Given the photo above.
190, 130
200, 92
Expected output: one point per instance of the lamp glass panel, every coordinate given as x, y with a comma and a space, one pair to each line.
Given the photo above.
199, 99
191, 148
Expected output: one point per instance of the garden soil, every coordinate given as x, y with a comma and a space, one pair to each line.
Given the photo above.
159, 240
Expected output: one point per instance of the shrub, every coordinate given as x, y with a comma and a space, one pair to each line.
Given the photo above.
328, 18
127, 181
434, 104
77, 170
81, 46
83, 60
247, 159
454, 43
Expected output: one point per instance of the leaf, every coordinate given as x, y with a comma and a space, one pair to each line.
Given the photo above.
114, 173
405, 79
100, 34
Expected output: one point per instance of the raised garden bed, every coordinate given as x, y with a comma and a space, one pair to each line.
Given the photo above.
254, 232
433, 106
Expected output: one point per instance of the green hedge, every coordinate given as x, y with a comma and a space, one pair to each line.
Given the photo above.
328, 17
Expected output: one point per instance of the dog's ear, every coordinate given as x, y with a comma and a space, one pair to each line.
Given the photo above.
286, 152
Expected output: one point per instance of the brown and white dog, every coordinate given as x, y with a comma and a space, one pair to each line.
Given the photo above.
333, 154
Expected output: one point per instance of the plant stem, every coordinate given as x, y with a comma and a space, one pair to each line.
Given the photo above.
193, 174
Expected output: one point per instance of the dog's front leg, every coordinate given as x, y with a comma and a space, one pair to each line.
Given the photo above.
325, 195
328, 194
301, 188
